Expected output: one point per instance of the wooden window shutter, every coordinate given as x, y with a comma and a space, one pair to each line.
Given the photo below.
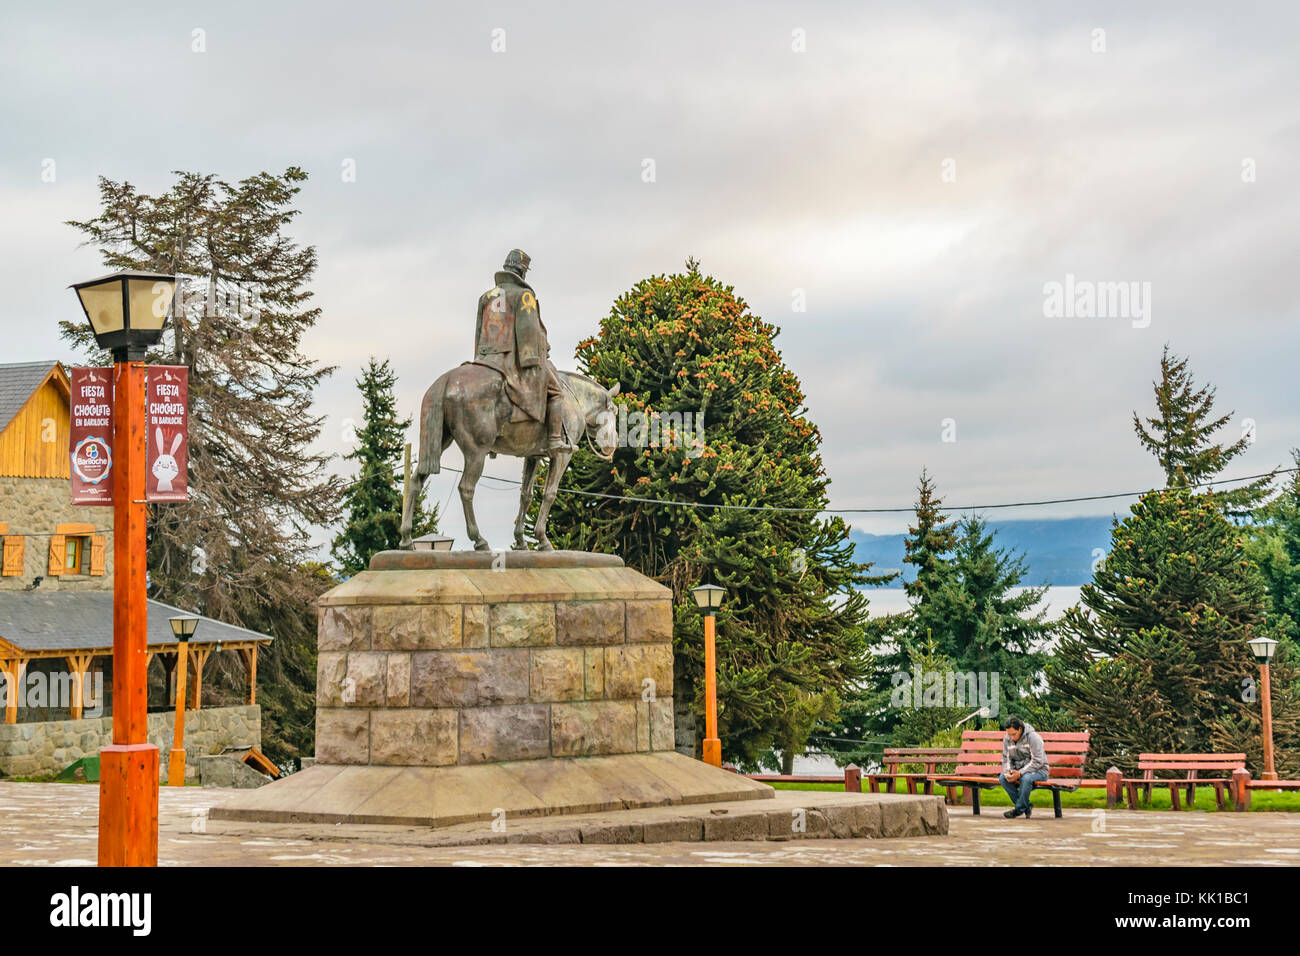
58, 549
97, 544
14, 548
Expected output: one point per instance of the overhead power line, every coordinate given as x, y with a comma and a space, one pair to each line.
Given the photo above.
668, 502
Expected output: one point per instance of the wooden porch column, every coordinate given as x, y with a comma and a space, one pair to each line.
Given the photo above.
249, 657
13, 669
78, 664
200, 657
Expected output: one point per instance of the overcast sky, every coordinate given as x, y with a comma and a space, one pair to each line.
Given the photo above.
919, 171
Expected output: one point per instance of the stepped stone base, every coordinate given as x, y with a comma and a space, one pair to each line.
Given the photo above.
791, 815
445, 796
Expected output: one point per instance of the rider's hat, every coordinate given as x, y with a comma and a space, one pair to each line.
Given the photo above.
517, 261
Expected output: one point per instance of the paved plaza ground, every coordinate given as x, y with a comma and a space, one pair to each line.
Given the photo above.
54, 825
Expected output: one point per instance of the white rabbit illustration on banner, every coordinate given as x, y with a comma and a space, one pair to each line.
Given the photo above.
165, 468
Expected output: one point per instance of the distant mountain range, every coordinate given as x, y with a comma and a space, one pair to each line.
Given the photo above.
1058, 551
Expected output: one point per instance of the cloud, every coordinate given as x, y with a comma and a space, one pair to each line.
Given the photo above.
819, 171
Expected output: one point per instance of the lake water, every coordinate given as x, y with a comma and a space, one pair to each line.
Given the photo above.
893, 600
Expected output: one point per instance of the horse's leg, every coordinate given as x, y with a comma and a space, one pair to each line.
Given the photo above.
408, 507
554, 471
525, 496
474, 460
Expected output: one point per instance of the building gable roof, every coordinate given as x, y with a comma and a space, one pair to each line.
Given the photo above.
67, 621
18, 382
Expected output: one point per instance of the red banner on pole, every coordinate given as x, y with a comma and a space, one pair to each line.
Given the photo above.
91, 444
167, 406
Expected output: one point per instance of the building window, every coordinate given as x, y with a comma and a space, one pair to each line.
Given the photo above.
73, 554
76, 549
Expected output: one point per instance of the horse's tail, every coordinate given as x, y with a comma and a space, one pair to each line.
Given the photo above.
431, 425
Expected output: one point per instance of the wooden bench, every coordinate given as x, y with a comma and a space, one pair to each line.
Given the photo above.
895, 757
979, 763
1190, 766
1242, 786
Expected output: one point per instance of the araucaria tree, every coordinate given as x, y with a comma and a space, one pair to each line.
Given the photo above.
1157, 659
373, 502
240, 549
732, 498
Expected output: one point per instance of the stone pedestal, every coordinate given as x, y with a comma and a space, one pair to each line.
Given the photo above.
449, 664
460, 686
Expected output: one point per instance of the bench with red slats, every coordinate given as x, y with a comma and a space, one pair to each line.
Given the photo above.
980, 763
895, 757
1189, 767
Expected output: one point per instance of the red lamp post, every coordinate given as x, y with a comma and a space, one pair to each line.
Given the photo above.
127, 311
708, 598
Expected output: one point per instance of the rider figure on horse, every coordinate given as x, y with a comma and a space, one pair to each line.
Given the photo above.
509, 336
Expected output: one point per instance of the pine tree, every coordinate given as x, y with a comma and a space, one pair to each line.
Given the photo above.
1181, 435
1157, 661
1274, 545
929, 543
373, 502
793, 622
867, 715
240, 549
988, 628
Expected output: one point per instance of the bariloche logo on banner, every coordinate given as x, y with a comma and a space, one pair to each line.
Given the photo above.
91, 436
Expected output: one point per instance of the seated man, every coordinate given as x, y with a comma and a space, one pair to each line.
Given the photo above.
1024, 762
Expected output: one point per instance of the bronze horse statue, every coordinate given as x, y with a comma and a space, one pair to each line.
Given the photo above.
469, 405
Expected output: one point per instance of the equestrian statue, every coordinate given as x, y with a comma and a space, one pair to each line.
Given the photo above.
510, 400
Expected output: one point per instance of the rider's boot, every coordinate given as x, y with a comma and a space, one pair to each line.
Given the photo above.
556, 439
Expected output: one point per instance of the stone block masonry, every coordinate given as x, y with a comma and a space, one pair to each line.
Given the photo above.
441, 666
44, 748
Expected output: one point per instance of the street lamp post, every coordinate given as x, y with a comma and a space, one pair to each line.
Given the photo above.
708, 598
126, 311
1264, 648
183, 629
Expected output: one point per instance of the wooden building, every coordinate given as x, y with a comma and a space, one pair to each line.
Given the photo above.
56, 579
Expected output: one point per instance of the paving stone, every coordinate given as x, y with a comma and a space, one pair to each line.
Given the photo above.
735, 826
680, 829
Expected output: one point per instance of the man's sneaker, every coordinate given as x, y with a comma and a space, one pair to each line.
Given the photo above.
1029, 812
1012, 813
